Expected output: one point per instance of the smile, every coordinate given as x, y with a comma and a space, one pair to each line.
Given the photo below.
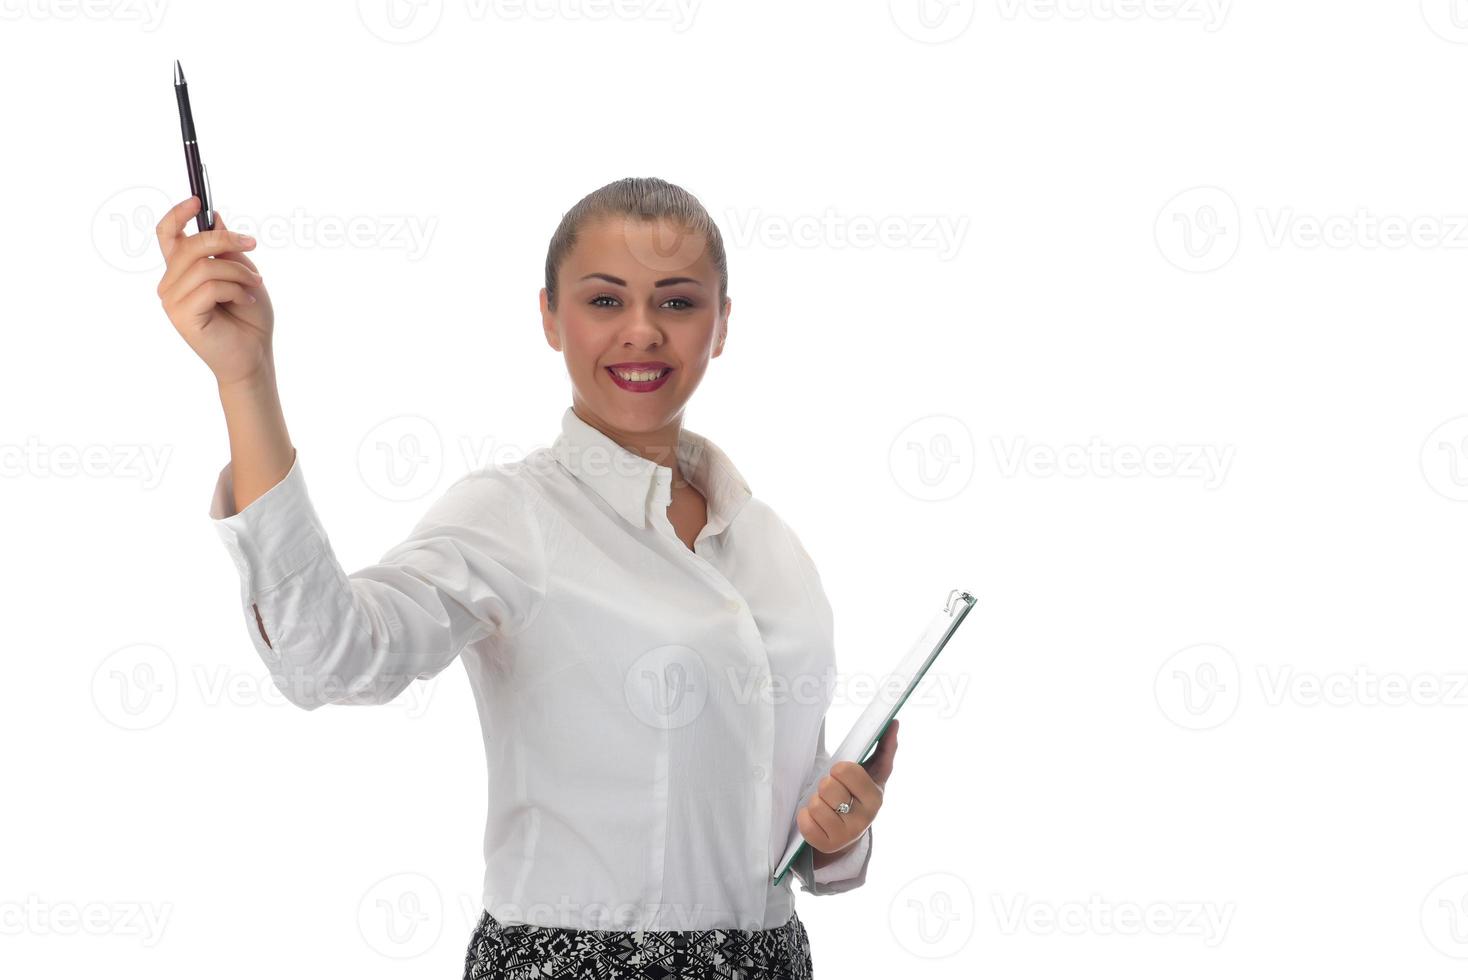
639, 378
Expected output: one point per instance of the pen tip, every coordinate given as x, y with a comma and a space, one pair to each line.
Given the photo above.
178, 75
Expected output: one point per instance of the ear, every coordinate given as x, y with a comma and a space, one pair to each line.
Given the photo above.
548, 321
723, 326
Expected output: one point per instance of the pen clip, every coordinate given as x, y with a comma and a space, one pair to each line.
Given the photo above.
208, 202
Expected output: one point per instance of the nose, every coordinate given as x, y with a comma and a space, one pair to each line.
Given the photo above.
640, 330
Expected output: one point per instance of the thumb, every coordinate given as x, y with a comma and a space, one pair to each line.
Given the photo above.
879, 766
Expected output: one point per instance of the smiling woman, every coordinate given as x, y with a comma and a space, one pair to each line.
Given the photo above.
623, 605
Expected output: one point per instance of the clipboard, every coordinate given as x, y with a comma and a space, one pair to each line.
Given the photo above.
862, 740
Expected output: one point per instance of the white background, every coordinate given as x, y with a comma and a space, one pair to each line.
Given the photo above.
1207, 719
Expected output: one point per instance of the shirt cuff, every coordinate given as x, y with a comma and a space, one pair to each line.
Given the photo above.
841, 875
272, 537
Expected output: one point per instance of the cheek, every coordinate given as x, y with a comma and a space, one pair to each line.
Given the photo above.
576, 342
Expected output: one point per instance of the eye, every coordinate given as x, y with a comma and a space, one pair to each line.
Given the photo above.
687, 304
597, 299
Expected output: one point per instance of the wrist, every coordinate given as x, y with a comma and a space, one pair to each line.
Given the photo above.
262, 379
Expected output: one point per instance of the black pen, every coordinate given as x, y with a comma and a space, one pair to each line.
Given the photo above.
198, 173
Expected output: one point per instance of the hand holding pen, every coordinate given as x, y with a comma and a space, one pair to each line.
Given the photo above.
213, 294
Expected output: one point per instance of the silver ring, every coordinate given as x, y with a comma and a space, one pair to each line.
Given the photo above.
844, 808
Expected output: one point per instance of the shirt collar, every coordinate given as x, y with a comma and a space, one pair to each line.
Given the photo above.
633, 485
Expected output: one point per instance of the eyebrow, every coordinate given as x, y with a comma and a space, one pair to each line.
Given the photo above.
657, 285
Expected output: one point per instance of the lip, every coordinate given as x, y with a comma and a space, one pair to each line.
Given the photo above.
653, 385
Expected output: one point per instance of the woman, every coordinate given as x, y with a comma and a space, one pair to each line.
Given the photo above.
649, 645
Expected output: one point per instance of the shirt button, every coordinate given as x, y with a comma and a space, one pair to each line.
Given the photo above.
759, 773
733, 605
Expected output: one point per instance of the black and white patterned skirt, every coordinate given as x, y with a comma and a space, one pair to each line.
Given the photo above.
526, 952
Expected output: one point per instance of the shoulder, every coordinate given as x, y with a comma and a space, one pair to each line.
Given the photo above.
499, 494
766, 522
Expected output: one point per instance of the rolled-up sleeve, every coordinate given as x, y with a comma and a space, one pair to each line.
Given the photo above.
849, 870
472, 567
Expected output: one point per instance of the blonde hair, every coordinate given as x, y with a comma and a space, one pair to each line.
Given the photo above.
646, 198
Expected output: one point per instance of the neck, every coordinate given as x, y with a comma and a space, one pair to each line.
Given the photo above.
658, 445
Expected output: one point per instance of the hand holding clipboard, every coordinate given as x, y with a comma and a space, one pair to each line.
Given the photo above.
880, 713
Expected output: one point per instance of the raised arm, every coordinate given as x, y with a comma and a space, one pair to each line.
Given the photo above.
471, 568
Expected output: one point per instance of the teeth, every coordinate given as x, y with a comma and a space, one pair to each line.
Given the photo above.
640, 375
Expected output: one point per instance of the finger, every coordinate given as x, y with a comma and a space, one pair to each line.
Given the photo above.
828, 820
170, 228
814, 834
206, 269
887, 744
194, 247
849, 779
880, 764
878, 770
239, 257
200, 302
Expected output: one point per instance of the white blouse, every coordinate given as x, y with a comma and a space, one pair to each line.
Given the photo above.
653, 716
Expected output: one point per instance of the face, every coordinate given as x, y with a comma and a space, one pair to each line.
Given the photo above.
636, 296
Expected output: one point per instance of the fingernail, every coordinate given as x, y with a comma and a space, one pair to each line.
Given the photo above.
249, 298
246, 239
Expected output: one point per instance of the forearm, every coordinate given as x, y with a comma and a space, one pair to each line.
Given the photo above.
260, 447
